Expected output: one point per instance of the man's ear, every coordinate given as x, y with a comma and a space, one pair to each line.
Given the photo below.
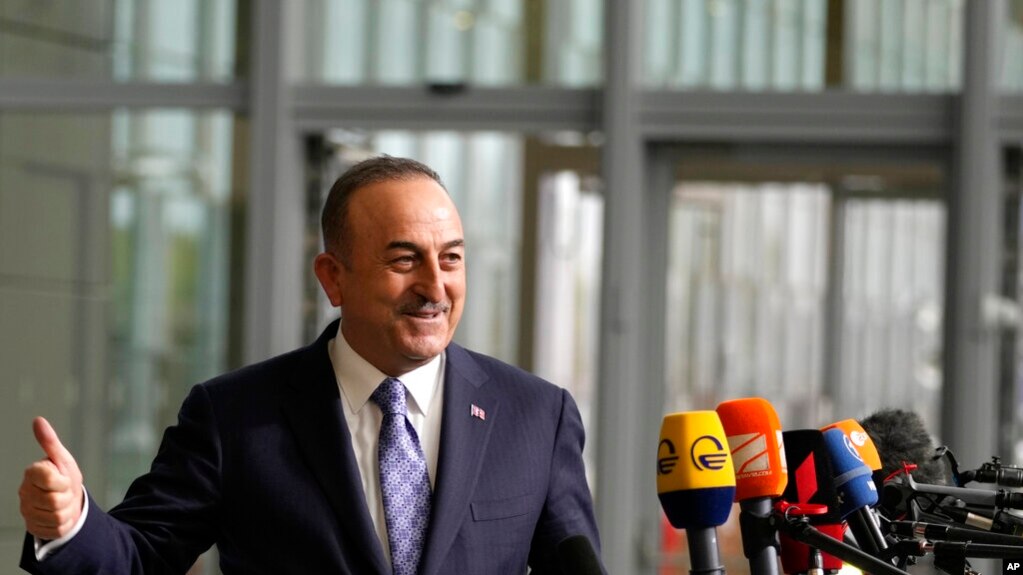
328, 270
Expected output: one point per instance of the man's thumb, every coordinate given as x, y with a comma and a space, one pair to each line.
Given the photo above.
54, 449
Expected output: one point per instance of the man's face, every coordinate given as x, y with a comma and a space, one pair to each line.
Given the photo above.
402, 296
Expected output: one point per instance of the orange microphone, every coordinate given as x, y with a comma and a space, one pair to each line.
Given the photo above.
758, 454
860, 440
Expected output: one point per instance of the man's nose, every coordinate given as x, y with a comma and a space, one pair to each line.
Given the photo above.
430, 282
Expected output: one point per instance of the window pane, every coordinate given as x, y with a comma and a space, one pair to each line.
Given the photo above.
746, 284
117, 243
1012, 51
478, 42
799, 45
893, 296
159, 40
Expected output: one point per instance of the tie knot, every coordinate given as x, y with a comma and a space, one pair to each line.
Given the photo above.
390, 396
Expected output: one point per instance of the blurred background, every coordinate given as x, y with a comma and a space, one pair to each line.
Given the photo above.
667, 203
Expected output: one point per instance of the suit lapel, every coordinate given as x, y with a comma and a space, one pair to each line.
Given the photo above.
463, 440
313, 409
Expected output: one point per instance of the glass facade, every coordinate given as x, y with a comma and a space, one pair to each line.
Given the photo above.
798, 45
1012, 50
746, 296
472, 42
119, 242
121, 40
123, 224
170, 266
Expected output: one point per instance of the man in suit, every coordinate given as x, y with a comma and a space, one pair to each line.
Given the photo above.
382, 447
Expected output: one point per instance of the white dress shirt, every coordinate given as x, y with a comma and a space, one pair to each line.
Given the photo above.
357, 380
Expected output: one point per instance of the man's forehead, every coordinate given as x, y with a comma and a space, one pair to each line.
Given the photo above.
416, 194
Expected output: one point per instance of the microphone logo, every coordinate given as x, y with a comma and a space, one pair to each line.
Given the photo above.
708, 453
666, 464
851, 448
749, 454
859, 438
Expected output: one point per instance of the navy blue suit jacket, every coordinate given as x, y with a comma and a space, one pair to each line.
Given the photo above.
261, 464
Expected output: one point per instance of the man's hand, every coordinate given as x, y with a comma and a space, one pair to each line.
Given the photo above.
51, 492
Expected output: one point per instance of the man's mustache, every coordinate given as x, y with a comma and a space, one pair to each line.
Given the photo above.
424, 306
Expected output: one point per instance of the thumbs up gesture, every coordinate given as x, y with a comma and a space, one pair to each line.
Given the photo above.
51, 491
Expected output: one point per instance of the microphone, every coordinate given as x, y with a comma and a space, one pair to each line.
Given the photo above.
995, 472
758, 454
900, 437
1001, 499
999, 522
857, 493
576, 556
807, 461
932, 531
810, 473
860, 440
696, 483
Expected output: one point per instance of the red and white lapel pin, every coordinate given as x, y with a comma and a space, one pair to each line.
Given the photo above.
477, 411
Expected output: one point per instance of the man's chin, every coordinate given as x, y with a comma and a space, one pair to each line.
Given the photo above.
425, 351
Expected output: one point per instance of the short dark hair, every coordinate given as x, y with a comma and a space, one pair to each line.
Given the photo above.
334, 220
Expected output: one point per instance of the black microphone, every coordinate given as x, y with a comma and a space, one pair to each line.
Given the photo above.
900, 438
951, 557
810, 483
576, 556
995, 472
960, 549
1001, 499
999, 521
932, 531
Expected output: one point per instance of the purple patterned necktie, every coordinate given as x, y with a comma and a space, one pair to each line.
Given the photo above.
404, 481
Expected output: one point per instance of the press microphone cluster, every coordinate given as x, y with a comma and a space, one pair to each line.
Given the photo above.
782, 480
927, 508
873, 495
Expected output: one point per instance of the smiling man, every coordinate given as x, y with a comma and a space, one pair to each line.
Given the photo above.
383, 447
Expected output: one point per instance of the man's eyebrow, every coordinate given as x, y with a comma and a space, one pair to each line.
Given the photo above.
403, 245
414, 247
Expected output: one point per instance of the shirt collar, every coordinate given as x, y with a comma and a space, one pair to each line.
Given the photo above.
358, 379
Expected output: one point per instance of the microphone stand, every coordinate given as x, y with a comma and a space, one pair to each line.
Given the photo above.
951, 557
704, 558
801, 530
759, 540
